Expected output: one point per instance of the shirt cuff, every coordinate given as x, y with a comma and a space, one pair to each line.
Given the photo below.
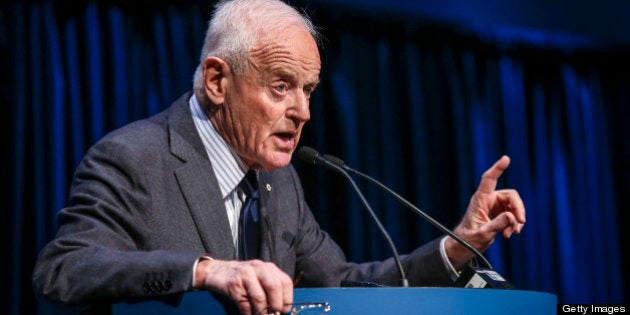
195, 268
447, 263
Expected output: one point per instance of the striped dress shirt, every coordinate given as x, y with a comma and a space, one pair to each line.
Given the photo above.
228, 167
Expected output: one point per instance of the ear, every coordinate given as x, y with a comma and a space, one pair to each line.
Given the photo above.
215, 76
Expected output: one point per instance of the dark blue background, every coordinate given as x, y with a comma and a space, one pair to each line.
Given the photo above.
423, 95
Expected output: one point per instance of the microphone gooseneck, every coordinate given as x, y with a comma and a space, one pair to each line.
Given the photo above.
311, 156
340, 163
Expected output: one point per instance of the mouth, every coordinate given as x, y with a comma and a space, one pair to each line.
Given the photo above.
286, 139
286, 136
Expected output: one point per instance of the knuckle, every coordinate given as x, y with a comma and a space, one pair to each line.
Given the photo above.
245, 269
258, 298
286, 279
274, 284
235, 287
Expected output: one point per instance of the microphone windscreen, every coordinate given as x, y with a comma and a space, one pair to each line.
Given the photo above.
308, 155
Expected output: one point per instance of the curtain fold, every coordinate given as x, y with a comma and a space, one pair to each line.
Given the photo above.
423, 108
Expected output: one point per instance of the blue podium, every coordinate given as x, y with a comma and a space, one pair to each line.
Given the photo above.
366, 301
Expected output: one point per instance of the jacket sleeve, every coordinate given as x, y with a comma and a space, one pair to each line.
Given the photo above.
99, 252
323, 263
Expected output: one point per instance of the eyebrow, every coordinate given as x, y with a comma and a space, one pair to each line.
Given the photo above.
284, 73
293, 76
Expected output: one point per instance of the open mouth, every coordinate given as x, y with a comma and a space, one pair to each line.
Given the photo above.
286, 136
286, 140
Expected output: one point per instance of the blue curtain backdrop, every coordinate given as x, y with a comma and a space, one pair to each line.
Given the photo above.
424, 107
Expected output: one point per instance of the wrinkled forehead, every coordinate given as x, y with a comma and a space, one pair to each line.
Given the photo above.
289, 45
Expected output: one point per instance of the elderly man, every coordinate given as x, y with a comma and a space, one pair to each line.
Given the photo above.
155, 207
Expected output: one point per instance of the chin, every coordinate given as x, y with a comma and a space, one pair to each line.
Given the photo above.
277, 161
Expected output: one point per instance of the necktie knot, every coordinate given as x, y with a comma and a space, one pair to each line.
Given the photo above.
249, 185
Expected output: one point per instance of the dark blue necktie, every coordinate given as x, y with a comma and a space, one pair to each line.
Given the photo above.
249, 227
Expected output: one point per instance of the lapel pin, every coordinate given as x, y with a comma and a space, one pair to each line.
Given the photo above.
268, 187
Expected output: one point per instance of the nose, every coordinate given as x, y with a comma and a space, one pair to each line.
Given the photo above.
300, 110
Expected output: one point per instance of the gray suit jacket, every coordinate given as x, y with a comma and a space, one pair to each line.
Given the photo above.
145, 204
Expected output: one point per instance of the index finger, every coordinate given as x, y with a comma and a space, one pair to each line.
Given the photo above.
490, 177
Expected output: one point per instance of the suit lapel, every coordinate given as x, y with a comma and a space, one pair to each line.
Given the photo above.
198, 183
267, 246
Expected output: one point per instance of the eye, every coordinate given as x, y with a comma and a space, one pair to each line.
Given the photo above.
308, 90
282, 87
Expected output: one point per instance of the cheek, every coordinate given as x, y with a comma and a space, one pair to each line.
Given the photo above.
268, 118
257, 124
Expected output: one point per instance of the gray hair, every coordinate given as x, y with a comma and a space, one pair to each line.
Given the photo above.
235, 28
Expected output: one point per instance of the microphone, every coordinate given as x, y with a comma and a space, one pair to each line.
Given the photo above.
471, 276
310, 155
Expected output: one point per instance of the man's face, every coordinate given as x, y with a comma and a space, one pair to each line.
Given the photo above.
266, 108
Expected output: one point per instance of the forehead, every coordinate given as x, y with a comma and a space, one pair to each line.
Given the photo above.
291, 49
